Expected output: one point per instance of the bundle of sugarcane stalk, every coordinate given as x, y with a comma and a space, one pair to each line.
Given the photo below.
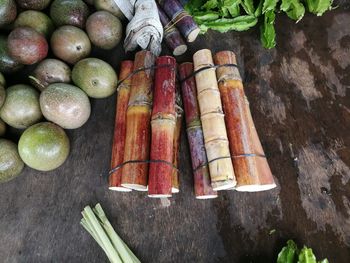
235, 156
202, 184
226, 152
147, 131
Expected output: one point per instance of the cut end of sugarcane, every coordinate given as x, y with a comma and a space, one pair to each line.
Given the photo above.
203, 197
136, 187
159, 195
255, 188
119, 189
193, 35
249, 188
265, 187
223, 185
181, 49
175, 190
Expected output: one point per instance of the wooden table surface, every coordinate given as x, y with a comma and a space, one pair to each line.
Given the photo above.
300, 101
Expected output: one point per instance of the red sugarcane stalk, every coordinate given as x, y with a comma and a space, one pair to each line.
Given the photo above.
266, 179
183, 21
249, 165
177, 139
163, 128
202, 184
172, 36
122, 101
138, 124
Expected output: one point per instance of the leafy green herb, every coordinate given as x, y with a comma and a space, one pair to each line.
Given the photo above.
306, 256
291, 254
258, 10
268, 34
240, 23
248, 6
205, 16
211, 4
241, 15
318, 7
294, 9
269, 5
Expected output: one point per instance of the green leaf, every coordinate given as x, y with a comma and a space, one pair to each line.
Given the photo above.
230, 8
288, 253
248, 6
294, 9
269, 5
318, 7
323, 261
240, 23
211, 4
258, 10
306, 256
205, 16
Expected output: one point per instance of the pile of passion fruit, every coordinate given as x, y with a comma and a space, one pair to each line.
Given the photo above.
56, 95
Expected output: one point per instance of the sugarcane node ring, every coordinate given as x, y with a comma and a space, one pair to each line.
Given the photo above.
231, 156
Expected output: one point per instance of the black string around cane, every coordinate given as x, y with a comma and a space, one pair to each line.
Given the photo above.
119, 166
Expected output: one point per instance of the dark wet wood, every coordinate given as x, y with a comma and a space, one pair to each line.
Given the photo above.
300, 101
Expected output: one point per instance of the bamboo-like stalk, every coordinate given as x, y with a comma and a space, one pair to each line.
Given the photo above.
250, 168
202, 184
183, 21
172, 36
138, 118
177, 139
122, 101
213, 123
163, 129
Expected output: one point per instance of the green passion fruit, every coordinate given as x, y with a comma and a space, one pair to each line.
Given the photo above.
27, 46
110, 6
7, 63
2, 80
2, 89
50, 71
69, 12
21, 108
33, 4
70, 44
104, 29
65, 105
2, 127
36, 20
96, 77
8, 12
2, 95
44, 146
11, 164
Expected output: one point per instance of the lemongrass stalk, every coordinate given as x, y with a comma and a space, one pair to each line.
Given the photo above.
97, 228
86, 226
115, 239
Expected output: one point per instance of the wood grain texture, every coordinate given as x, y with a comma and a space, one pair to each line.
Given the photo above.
300, 103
